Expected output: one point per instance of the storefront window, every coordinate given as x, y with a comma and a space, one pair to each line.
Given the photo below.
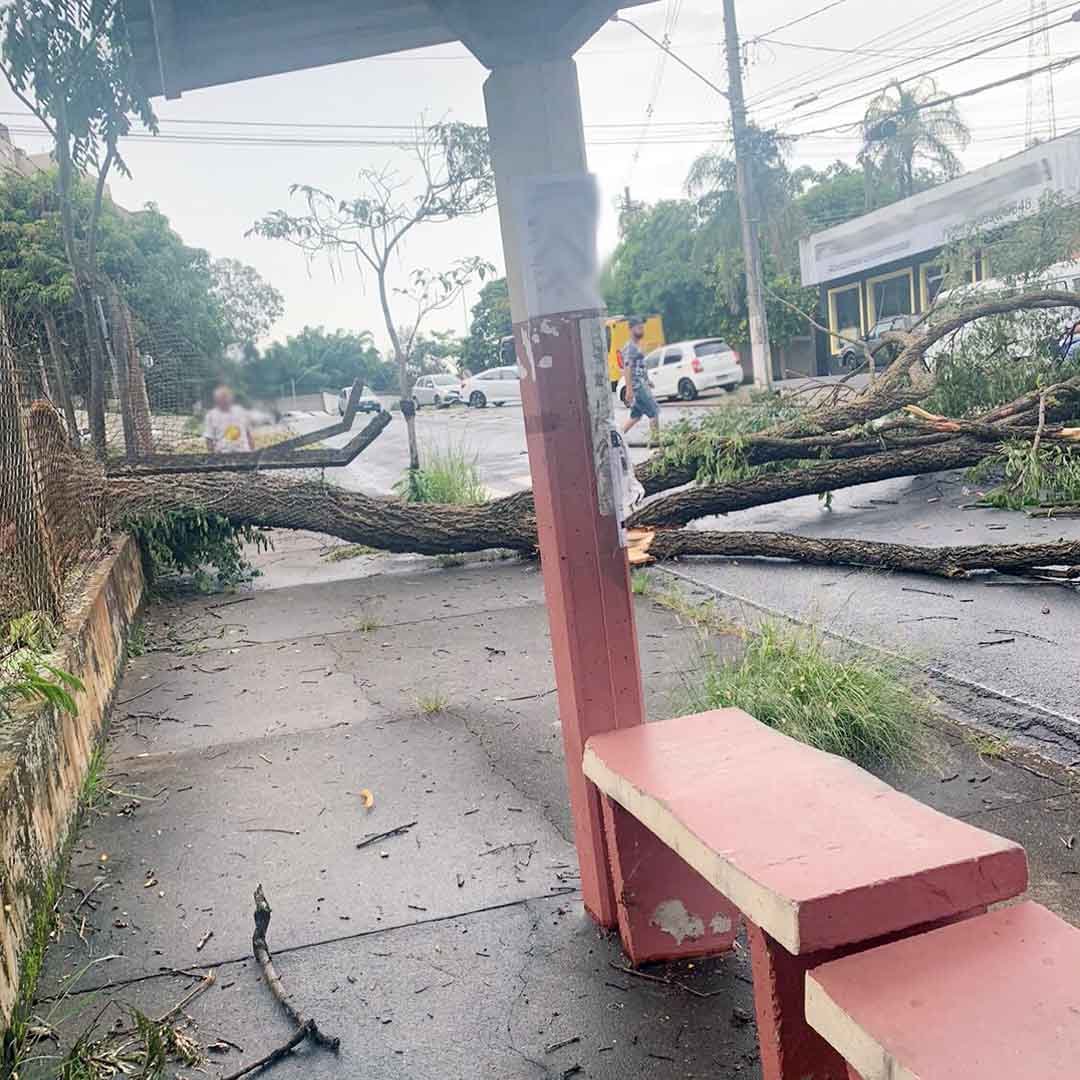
845, 315
891, 294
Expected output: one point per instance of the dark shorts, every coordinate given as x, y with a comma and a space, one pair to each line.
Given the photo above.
644, 404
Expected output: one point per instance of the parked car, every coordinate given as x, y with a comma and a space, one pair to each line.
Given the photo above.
685, 369
496, 385
851, 356
436, 390
368, 401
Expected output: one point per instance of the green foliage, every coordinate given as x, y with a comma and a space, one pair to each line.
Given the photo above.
92, 795
640, 582
315, 358
714, 440
450, 476
663, 265
787, 679
189, 541
1048, 475
996, 361
72, 64
249, 305
26, 675
491, 322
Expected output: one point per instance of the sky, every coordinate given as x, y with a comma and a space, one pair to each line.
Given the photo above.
646, 119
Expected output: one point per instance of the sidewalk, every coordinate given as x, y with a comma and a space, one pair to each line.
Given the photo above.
458, 948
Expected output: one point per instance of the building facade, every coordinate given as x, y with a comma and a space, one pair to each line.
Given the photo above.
888, 263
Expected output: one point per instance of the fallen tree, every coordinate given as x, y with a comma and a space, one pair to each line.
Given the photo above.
880, 433
949, 562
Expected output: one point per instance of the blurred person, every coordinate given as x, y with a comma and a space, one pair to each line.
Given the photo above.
228, 425
638, 385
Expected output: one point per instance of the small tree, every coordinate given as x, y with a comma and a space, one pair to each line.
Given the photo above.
71, 65
455, 180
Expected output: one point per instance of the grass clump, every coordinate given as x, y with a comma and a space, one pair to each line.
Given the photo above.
641, 582
137, 642
431, 704
703, 614
848, 706
367, 625
450, 476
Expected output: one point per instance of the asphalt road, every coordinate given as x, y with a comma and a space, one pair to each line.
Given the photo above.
1007, 651
496, 436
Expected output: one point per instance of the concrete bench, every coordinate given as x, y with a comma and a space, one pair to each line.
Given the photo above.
710, 815
995, 997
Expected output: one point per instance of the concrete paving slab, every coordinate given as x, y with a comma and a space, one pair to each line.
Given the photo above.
486, 995
285, 811
176, 703
332, 607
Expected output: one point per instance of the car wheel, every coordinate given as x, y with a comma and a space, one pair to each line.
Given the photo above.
416, 404
624, 396
687, 390
436, 401
731, 387
477, 400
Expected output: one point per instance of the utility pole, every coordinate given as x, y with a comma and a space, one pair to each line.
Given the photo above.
755, 298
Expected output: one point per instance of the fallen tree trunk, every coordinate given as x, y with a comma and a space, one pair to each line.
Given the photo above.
384, 523
682, 507
949, 562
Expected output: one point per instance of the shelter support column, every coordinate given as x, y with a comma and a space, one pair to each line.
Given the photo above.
548, 210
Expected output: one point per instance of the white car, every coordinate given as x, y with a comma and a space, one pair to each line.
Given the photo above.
436, 390
497, 386
685, 369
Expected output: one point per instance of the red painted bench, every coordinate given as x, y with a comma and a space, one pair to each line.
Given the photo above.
994, 998
710, 815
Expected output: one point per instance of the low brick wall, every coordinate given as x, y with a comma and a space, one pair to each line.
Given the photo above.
44, 759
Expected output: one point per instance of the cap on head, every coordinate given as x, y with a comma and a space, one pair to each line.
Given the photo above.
636, 320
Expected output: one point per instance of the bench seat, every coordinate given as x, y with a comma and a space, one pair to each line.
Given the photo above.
995, 997
714, 815
811, 848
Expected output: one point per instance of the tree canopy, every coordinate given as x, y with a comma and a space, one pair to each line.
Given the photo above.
491, 322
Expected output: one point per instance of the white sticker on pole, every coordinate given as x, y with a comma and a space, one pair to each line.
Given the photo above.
598, 396
557, 216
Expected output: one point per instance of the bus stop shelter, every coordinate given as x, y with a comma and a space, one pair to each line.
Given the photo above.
548, 207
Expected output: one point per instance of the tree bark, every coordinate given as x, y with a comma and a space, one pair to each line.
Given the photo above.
939, 561
682, 507
62, 375
383, 523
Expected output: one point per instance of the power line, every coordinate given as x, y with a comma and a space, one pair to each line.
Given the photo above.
946, 98
891, 73
795, 22
807, 80
934, 70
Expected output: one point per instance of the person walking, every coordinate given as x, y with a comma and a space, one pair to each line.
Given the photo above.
639, 386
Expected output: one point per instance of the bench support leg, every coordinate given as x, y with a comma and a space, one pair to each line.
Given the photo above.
666, 909
790, 1048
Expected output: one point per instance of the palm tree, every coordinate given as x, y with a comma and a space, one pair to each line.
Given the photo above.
905, 126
